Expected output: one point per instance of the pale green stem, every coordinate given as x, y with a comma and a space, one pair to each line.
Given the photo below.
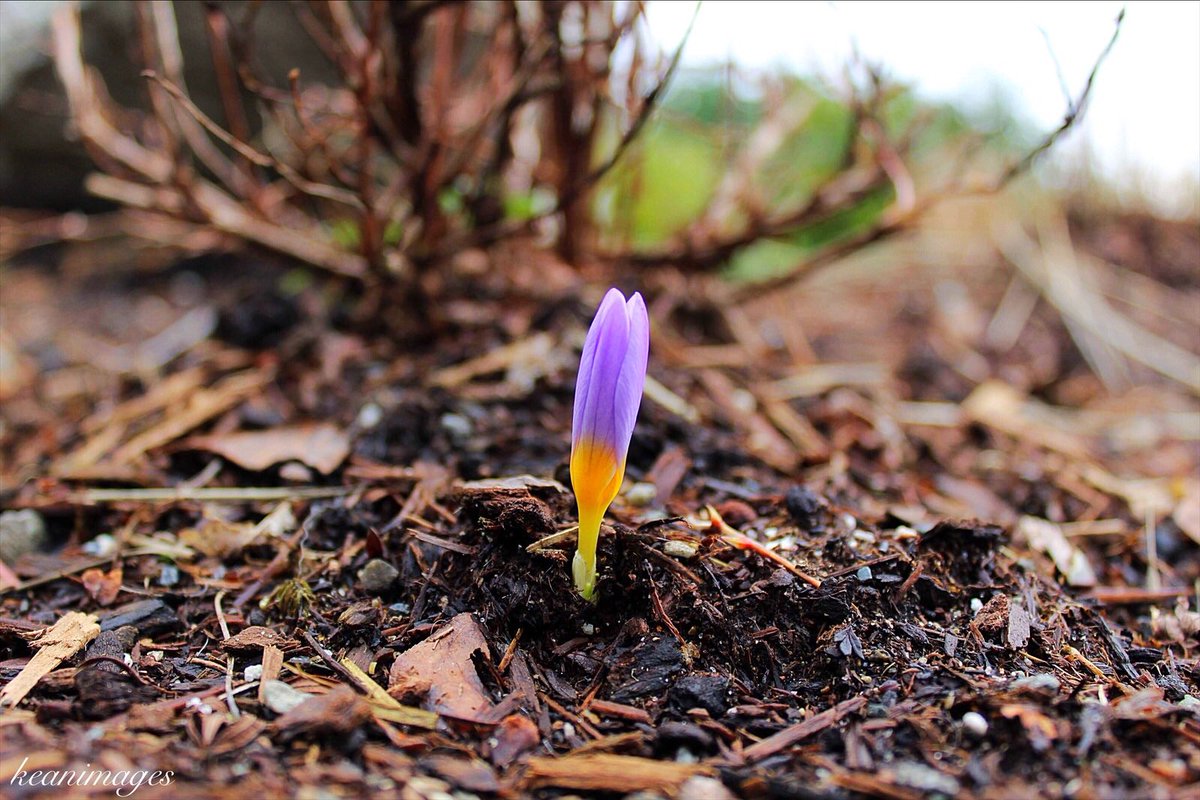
584, 565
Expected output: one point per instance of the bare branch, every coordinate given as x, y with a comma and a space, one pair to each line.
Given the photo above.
250, 154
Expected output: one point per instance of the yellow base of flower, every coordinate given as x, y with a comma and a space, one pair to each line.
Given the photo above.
596, 476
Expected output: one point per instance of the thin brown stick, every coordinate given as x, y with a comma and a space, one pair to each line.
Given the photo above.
249, 153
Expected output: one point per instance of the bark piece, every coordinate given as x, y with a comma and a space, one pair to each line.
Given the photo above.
56, 644
604, 772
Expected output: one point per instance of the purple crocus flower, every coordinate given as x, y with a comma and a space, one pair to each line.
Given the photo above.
608, 392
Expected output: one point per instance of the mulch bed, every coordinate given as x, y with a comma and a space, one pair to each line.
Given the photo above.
353, 575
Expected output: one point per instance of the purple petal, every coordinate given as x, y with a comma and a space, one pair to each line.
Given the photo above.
632, 379
604, 353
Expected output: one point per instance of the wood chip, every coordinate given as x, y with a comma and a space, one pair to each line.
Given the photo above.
56, 644
604, 772
202, 406
607, 708
272, 661
1046, 537
802, 730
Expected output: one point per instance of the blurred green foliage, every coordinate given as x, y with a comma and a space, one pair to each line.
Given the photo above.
669, 176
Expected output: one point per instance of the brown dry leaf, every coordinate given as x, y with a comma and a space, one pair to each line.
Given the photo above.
1177, 626
1046, 537
216, 537
1147, 703
1006, 409
102, 586
440, 671
1144, 496
255, 638
322, 447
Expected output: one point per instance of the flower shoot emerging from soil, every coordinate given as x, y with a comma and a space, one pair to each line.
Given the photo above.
608, 392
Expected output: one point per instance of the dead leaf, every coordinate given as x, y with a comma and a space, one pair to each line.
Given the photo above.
1047, 537
1147, 703
1007, 409
1177, 626
215, 537
441, 672
322, 447
102, 586
255, 638
218, 538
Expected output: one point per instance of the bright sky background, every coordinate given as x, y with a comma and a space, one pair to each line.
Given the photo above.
1143, 125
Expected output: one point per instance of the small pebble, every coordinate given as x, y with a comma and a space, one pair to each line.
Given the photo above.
252, 672
1040, 682
587, 628
803, 504
679, 549
863, 574
101, 545
641, 495
975, 724
369, 416
457, 426
700, 787
281, 697
377, 576
924, 778
21, 532
295, 472
168, 575
976, 605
